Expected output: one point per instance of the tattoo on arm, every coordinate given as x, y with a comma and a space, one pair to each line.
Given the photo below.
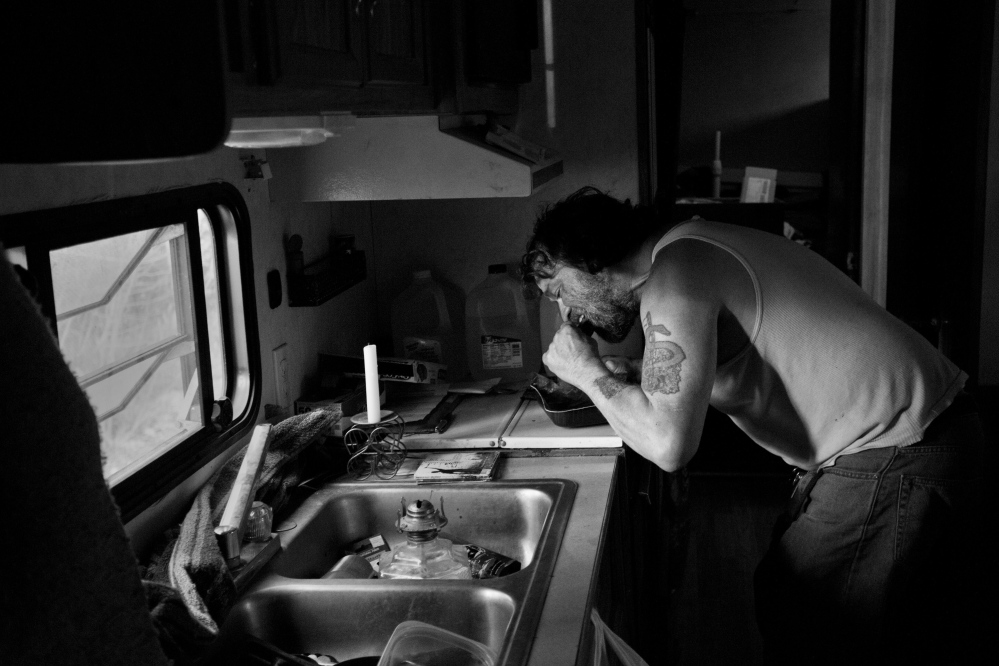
611, 386
661, 367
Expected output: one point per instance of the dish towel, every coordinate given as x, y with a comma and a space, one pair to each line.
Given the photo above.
189, 586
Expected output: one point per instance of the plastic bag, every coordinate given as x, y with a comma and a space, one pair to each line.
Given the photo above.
603, 636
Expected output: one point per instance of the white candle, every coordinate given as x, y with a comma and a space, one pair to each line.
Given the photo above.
716, 168
371, 383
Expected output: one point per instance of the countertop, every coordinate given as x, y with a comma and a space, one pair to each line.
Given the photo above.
507, 422
566, 610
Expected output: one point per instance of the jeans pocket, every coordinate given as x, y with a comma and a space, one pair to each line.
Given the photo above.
930, 509
839, 498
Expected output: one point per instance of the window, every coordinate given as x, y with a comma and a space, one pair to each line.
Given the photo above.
151, 299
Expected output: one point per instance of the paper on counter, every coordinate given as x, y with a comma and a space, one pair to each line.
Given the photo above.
474, 387
470, 466
414, 402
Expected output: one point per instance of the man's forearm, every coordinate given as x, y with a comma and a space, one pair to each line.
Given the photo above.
611, 385
651, 433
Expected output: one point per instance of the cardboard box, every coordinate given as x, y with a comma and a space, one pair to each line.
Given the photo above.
390, 369
350, 402
759, 185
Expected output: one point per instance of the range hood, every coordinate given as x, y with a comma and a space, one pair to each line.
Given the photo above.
404, 157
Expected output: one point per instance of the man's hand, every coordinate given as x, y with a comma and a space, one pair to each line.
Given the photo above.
573, 356
630, 369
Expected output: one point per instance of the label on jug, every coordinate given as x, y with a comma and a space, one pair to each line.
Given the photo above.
422, 349
499, 353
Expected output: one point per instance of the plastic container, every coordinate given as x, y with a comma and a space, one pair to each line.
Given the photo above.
415, 642
501, 329
351, 566
422, 325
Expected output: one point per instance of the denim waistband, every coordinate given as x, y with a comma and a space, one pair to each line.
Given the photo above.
956, 426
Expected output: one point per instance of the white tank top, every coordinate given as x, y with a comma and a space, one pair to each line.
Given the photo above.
827, 371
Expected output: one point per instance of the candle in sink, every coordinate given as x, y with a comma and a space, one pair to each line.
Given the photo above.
371, 383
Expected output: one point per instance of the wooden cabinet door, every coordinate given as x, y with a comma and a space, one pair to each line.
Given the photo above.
395, 41
320, 42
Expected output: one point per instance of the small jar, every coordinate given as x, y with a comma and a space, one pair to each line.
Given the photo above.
258, 522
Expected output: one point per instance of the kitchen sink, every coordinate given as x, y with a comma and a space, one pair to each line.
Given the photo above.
291, 607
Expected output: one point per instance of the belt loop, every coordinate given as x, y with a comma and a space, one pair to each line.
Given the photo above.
804, 482
796, 475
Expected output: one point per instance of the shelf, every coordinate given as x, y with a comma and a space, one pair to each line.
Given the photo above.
321, 281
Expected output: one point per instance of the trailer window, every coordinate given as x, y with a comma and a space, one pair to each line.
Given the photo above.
149, 299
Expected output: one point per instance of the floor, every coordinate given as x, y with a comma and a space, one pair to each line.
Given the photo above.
712, 618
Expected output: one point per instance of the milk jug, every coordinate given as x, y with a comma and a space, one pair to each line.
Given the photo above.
501, 329
422, 327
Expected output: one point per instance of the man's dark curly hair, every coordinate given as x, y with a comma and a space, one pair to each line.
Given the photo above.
589, 230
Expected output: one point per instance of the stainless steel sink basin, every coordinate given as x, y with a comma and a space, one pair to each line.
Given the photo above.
292, 608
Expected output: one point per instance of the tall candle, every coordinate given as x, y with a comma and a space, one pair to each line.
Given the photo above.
716, 168
371, 383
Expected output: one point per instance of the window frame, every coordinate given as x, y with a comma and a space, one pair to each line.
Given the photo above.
42, 231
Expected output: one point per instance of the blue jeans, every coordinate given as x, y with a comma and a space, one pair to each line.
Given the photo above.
880, 556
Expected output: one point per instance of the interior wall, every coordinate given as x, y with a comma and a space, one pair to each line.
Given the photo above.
758, 72
342, 325
595, 132
988, 350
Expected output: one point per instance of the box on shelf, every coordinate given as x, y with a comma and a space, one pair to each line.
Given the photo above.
390, 369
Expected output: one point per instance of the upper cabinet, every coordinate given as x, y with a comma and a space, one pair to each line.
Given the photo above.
394, 37
311, 43
312, 56
294, 57
111, 81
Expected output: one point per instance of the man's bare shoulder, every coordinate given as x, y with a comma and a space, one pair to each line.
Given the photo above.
687, 265
690, 269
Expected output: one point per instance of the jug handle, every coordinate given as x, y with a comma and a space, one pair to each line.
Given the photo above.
518, 298
442, 313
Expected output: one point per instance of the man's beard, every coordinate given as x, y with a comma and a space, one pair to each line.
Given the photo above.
611, 312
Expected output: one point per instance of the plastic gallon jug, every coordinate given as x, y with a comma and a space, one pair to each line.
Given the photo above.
501, 329
422, 327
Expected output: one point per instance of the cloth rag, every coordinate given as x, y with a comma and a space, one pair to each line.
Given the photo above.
189, 587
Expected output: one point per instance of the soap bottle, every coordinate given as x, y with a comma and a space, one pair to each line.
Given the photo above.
425, 554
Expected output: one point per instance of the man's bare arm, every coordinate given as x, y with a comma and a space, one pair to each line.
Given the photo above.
611, 385
662, 416
663, 360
